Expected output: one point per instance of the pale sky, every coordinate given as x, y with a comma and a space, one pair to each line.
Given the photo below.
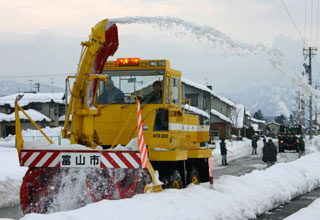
42, 37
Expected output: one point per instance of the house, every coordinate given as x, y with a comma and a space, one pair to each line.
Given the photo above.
7, 121
259, 126
197, 95
49, 104
273, 129
219, 108
220, 125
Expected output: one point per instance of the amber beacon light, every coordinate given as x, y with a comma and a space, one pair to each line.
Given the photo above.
128, 62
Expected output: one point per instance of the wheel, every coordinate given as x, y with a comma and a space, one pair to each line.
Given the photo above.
193, 176
172, 179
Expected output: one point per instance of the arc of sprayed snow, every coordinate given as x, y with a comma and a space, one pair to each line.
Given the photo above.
213, 35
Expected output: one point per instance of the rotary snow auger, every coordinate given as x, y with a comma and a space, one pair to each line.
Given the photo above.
128, 131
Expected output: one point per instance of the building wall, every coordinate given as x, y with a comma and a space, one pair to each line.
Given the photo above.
221, 107
274, 129
224, 129
7, 128
203, 98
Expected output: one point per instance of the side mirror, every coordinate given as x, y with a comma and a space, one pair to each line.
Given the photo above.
129, 100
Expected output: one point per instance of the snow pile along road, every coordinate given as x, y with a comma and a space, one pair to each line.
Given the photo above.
233, 198
11, 175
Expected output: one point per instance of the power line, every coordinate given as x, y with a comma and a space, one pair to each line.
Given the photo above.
285, 7
28, 76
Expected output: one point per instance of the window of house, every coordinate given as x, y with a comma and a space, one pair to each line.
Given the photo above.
193, 98
61, 110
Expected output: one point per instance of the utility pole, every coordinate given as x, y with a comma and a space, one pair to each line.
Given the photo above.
308, 53
30, 84
37, 85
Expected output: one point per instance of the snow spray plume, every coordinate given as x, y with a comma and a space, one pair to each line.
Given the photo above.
217, 38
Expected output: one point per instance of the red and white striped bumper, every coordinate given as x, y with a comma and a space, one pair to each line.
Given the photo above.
102, 159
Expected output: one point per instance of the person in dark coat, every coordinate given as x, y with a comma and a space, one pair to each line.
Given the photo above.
269, 153
254, 145
223, 150
301, 146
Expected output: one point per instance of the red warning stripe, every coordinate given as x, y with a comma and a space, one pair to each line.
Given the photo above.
142, 146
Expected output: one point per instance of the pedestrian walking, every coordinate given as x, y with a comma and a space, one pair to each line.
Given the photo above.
223, 151
254, 145
269, 153
301, 146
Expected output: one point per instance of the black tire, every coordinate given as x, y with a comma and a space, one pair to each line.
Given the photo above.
193, 176
172, 179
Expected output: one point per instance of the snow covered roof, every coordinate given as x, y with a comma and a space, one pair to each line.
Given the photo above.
258, 121
239, 116
221, 116
32, 97
255, 127
63, 117
35, 115
198, 86
248, 113
196, 110
227, 101
206, 89
273, 122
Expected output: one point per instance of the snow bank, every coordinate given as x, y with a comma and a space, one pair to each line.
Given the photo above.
11, 175
233, 198
310, 212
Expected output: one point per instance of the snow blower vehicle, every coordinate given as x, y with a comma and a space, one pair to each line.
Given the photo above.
288, 137
129, 134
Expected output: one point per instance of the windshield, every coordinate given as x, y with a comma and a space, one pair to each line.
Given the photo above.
147, 85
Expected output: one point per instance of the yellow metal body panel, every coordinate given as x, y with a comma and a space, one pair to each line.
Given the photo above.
174, 155
201, 153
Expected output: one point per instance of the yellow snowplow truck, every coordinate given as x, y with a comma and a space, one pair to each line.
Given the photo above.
128, 131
